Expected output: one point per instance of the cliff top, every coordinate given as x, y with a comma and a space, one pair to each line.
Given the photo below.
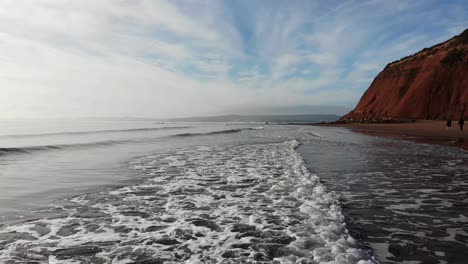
458, 40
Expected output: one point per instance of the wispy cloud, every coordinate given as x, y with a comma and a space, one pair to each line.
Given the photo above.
177, 58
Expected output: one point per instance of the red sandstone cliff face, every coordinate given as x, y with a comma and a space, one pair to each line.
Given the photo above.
431, 84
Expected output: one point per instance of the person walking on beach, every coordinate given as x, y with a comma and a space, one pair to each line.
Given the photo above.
461, 123
449, 125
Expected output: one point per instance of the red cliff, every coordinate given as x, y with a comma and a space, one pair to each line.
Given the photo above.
431, 84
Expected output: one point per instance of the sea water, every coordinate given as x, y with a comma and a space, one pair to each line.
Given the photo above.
140, 191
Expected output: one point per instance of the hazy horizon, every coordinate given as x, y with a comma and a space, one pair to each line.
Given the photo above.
159, 118
169, 59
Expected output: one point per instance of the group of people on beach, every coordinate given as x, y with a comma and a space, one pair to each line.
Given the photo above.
461, 122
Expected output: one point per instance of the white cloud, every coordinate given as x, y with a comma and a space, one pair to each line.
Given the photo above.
283, 65
168, 58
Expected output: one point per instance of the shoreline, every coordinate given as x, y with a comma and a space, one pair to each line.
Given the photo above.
420, 131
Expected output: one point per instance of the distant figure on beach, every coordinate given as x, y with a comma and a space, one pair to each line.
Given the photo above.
461, 123
449, 125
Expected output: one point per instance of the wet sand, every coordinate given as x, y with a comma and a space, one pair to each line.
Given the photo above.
424, 131
404, 202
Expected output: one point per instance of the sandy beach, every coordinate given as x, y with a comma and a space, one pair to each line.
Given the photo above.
426, 131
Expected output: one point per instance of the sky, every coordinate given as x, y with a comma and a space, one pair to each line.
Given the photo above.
148, 58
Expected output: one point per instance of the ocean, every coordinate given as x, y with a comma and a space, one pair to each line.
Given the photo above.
143, 191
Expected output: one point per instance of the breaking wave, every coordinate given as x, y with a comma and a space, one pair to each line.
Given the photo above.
227, 131
26, 150
30, 149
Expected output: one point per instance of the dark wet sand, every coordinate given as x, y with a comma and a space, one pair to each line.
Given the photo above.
405, 202
424, 131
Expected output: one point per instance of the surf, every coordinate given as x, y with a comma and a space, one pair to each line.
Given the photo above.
223, 204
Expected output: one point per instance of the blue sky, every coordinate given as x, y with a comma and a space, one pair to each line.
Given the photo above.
187, 57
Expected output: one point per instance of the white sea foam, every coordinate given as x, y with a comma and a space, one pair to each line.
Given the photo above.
231, 204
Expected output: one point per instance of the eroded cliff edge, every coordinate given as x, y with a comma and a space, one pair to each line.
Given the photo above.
431, 84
